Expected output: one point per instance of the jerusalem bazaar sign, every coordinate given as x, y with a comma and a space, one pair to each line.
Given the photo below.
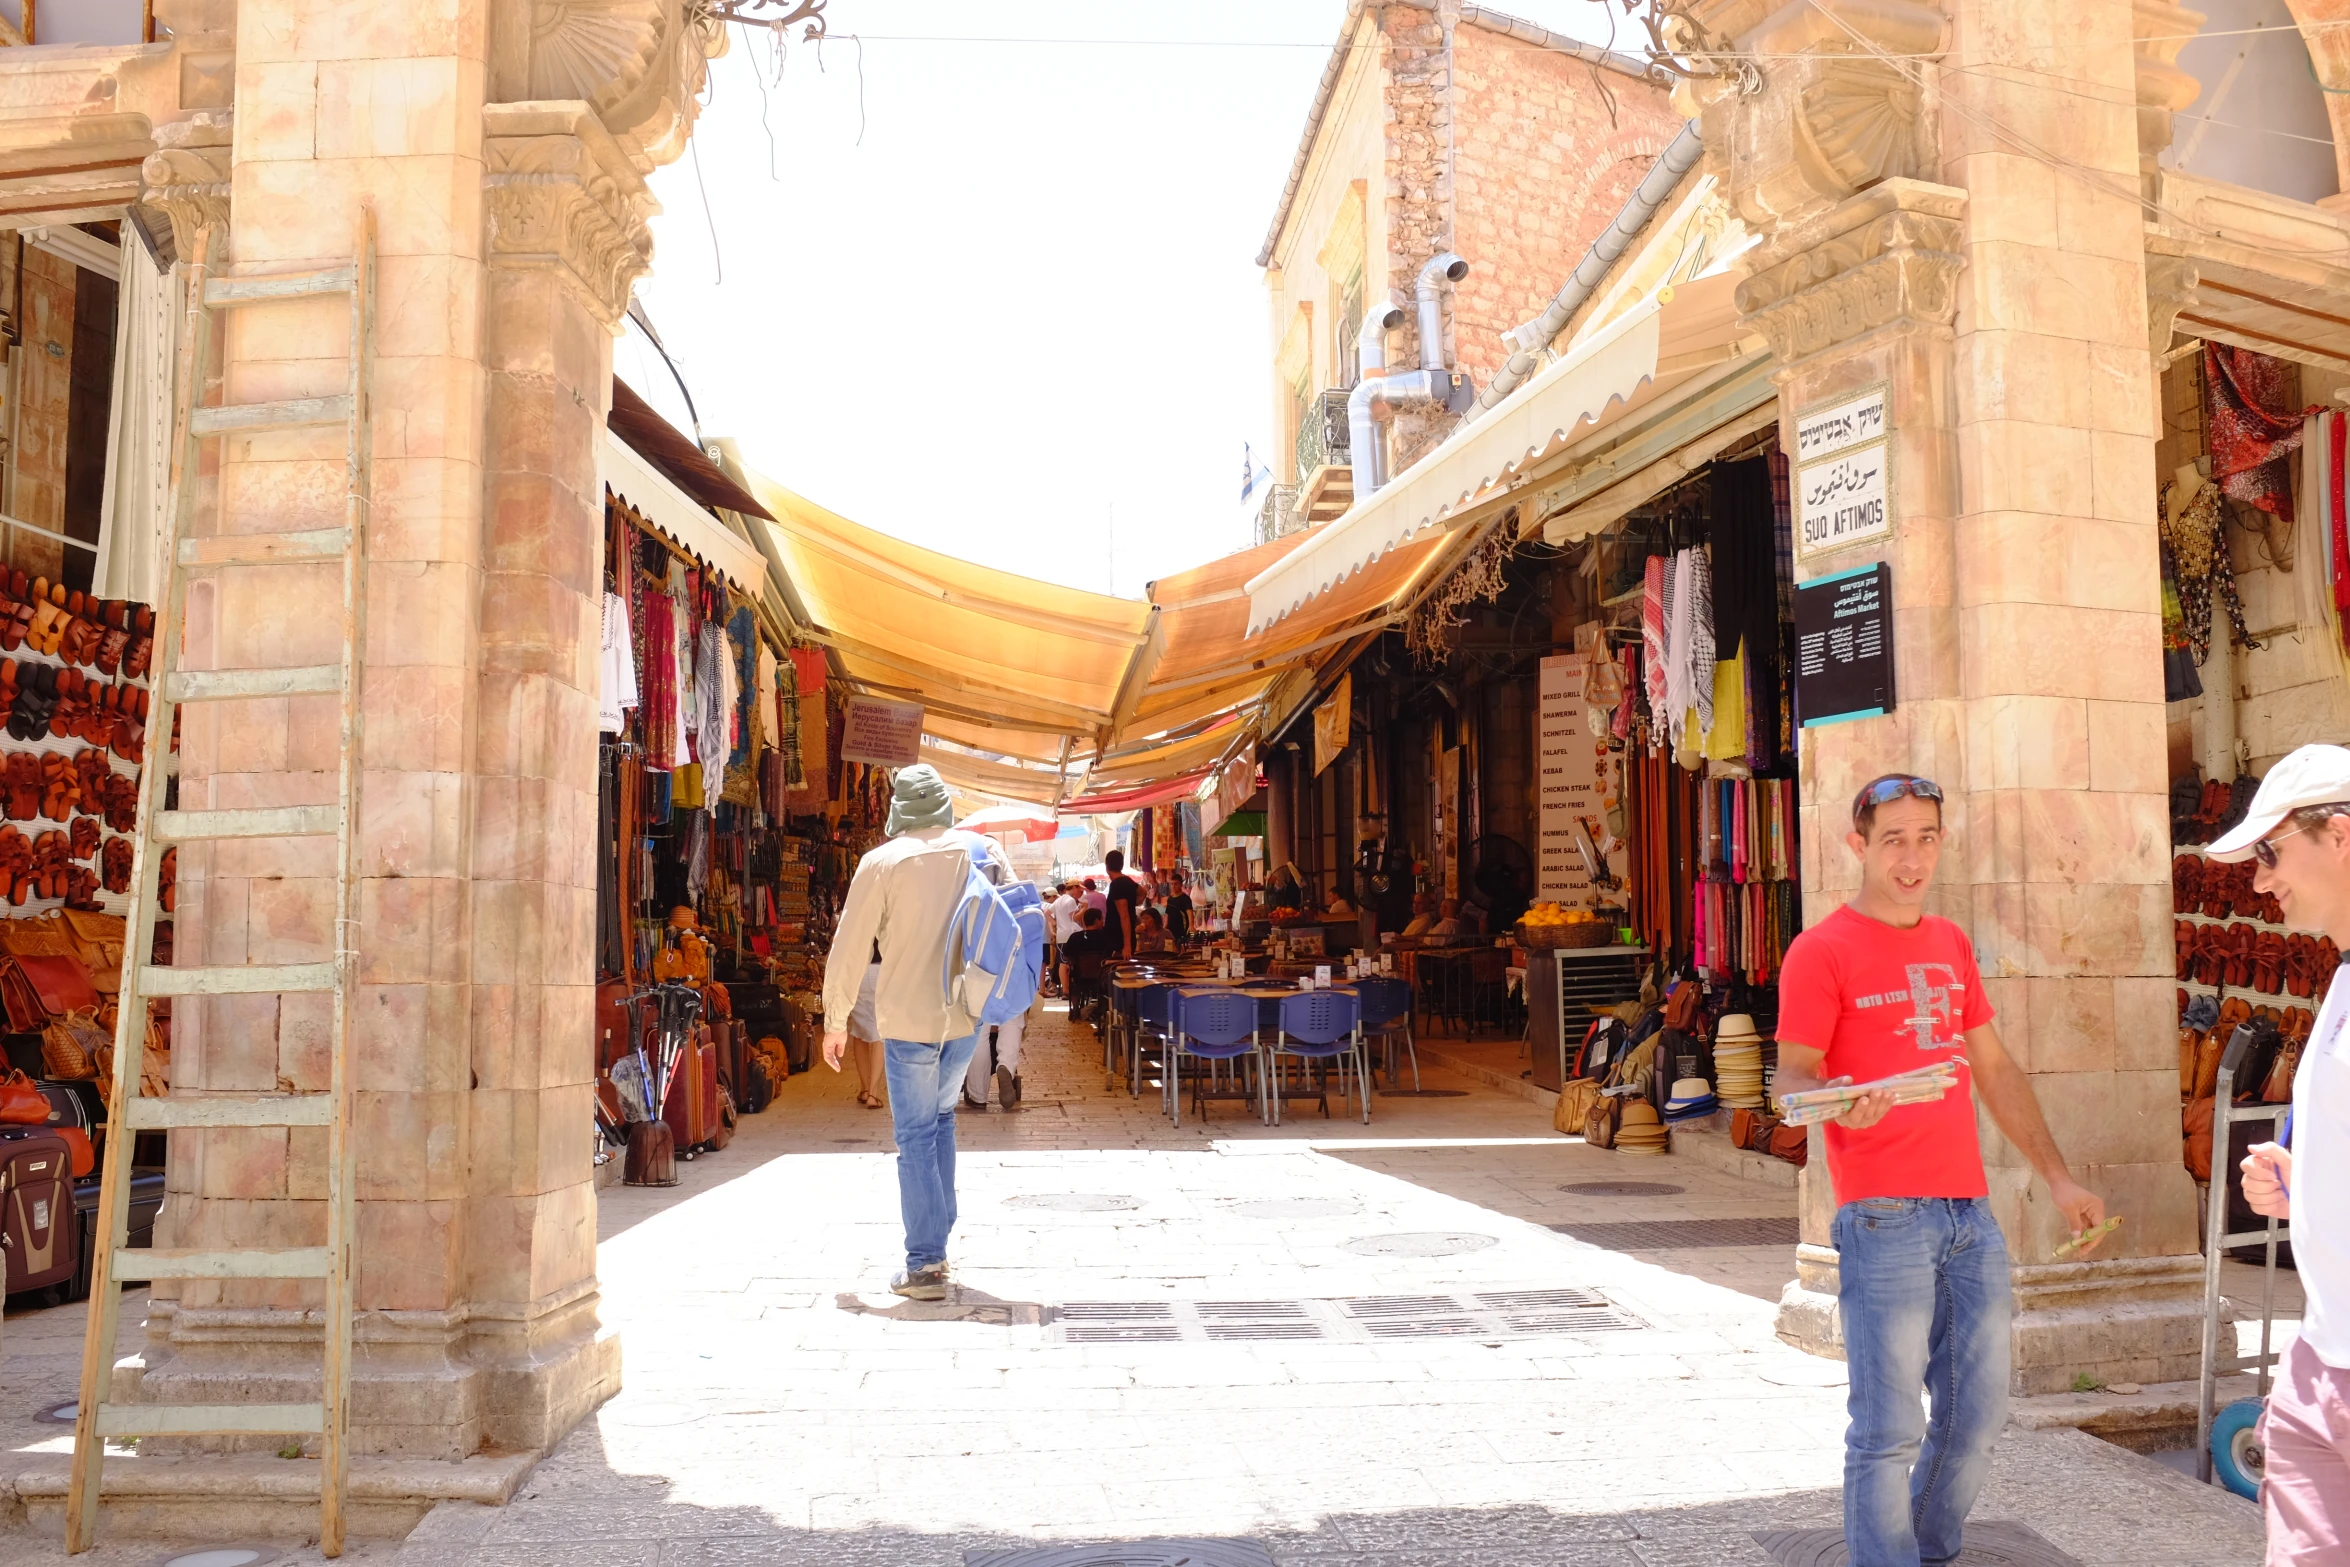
1843, 486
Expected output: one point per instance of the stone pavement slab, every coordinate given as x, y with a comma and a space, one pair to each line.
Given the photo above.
779, 1406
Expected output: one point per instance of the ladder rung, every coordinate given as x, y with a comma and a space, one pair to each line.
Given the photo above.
294, 413
220, 685
2254, 1238
261, 549
236, 980
220, 291
299, 1262
210, 1419
163, 1115
273, 821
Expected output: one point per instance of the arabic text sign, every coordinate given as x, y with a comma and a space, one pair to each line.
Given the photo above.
1842, 501
1823, 432
887, 734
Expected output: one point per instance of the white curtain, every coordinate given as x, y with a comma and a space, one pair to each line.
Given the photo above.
135, 514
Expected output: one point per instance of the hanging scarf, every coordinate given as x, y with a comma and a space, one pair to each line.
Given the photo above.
2199, 557
2253, 426
1652, 637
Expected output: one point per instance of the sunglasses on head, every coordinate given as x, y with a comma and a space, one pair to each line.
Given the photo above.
1886, 790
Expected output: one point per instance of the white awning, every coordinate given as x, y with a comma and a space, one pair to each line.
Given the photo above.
1627, 363
668, 508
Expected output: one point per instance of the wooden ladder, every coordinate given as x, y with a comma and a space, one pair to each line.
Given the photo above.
128, 1111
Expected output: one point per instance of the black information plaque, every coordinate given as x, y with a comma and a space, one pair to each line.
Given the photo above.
1844, 646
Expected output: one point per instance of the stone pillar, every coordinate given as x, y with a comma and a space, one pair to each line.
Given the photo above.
2003, 302
510, 236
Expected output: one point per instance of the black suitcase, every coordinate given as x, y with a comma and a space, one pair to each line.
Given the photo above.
40, 1238
146, 1203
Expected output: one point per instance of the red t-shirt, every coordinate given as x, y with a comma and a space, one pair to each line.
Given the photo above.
1881, 999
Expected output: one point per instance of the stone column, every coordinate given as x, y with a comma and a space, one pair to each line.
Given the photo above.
510, 235
2003, 299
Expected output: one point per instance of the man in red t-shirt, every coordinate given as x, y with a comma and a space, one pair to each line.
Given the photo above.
1877, 988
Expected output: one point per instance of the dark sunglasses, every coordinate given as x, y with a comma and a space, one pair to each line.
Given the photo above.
1887, 790
2265, 851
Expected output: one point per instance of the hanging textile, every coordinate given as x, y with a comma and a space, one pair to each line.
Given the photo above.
134, 506
813, 785
658, 709
1745, 582
1726, 741
2321, 585
2253, 425
615, 669
2198, 554
1652, 633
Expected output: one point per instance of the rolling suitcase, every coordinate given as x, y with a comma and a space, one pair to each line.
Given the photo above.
40, 1234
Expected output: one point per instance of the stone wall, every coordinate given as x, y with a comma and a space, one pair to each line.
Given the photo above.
1543, 150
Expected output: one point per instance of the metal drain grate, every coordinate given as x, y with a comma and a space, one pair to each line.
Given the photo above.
1990, 1543
1675, 1234
1139, 1553
1622, 1189
1504, 1314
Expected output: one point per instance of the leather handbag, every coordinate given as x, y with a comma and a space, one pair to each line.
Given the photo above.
1682, 1005
21, 1103
1599, 1124
60, 985
1574, 1107
1791, 1143
66, 1047
2197, 1130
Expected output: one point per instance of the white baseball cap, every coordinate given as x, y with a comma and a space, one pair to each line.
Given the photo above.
2313, 775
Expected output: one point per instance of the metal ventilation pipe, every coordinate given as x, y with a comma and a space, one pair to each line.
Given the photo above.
1366, 451
1428, 294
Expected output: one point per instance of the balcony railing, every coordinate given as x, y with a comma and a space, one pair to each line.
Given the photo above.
1279, 514
1322, 437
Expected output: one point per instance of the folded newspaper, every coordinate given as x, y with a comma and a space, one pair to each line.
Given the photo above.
1907, 1088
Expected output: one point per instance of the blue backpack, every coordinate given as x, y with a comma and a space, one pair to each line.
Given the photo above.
994, 950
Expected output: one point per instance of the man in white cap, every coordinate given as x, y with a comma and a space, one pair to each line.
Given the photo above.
2299, 829
904, 895
1878, 988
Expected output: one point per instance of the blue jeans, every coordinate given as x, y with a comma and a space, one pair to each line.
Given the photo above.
923, 1082
1926, 1304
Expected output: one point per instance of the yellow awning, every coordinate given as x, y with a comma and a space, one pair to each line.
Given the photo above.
989, 649
1627, 364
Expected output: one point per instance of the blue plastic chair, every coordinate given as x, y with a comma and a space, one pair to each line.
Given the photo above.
1324, 1026
1387, 1015
1210, 1026
1153, 1019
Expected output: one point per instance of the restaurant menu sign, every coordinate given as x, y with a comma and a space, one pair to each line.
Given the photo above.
887, 734
1571, 772
1843, 484
1844, 646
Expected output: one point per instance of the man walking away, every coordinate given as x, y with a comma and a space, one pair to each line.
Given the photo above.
1877, 988
2299, 830
1061, 918
1123, 917
905, 895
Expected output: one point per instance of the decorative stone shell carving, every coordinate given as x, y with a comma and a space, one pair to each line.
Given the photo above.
639, 63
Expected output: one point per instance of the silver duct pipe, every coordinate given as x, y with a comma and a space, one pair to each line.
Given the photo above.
1365, 450
1678, 158
1428, 294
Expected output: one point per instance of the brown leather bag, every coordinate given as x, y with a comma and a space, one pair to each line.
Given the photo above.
1599, 1126
1681, 1007
1791, 1143
60, 984
1574, 1106
2196, 1119
22, 1104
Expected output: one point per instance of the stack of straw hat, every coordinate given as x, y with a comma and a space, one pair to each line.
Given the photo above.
1641, 1130
1738, 1072
1691, 1098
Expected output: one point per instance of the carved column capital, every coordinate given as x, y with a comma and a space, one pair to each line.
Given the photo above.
639, 64
1889, 256
2170, 288
564, 195
186, 179
1825, 117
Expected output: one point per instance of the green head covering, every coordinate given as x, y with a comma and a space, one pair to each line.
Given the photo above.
918, 798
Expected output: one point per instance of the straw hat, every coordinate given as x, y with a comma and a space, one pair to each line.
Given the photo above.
1688, 1090
1738, 1062
1735, 1028
1641, 1130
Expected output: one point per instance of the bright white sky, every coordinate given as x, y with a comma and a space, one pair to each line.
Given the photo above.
1027, 300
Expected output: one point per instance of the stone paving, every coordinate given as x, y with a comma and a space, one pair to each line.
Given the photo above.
780, 1406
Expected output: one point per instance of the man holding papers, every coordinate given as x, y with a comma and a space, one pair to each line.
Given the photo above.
1879, 989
